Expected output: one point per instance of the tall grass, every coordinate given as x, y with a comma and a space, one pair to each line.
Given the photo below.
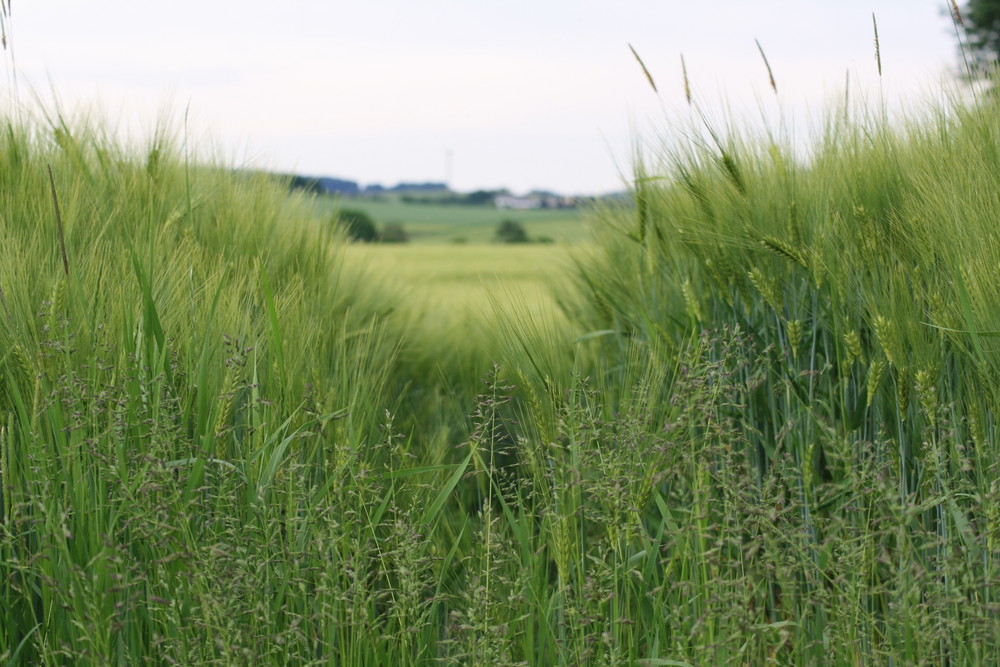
860, 280
189, 372
762, 429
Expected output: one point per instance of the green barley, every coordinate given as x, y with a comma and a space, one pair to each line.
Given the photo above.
794, 331
852, 342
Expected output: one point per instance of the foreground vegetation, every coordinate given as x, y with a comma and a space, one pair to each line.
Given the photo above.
760, 429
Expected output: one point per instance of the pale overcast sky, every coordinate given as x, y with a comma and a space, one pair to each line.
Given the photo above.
520, 94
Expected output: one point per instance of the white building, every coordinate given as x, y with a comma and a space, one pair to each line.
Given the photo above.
519, 203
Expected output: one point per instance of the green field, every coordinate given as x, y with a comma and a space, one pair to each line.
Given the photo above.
428, 223
470, 287
750, 419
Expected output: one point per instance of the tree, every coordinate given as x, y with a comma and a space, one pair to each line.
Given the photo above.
359, 225
511, 231
482, 197
393, 232
981, 20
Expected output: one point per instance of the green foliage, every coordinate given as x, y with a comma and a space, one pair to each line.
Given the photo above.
981, 22
761, 431
511, 231
154, 401
862, 279
359, 225
483, 197
475, 198
393, 232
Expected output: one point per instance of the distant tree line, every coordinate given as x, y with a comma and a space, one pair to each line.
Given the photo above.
362, 227
981, 22
430, 186
325, 185
475, 198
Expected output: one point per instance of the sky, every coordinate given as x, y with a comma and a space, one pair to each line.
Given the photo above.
521, 94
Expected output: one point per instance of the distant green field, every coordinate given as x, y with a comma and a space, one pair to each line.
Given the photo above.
445, 282
427, 223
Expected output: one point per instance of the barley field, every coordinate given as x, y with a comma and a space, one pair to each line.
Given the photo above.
451, 284
750, 420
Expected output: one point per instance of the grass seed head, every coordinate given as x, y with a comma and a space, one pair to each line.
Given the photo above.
770, 74
794, 330
852, 341
875, 371
878, 53
927, 394
687, 82
649, 77
884, 335
956, 13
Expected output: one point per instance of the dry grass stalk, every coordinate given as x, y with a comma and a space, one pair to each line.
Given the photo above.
956, 14
770, 74
687, 82
649, 77
4, 21
878, 53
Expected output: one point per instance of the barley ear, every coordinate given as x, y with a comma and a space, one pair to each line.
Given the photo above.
852, 341
691, 301
875, 371
794, 331
780, 247
885, 335
927, 394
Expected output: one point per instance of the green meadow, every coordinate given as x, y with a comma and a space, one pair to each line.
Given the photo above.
748, 418
436, 223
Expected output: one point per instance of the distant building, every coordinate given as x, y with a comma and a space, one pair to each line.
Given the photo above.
517, 203
558, 201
